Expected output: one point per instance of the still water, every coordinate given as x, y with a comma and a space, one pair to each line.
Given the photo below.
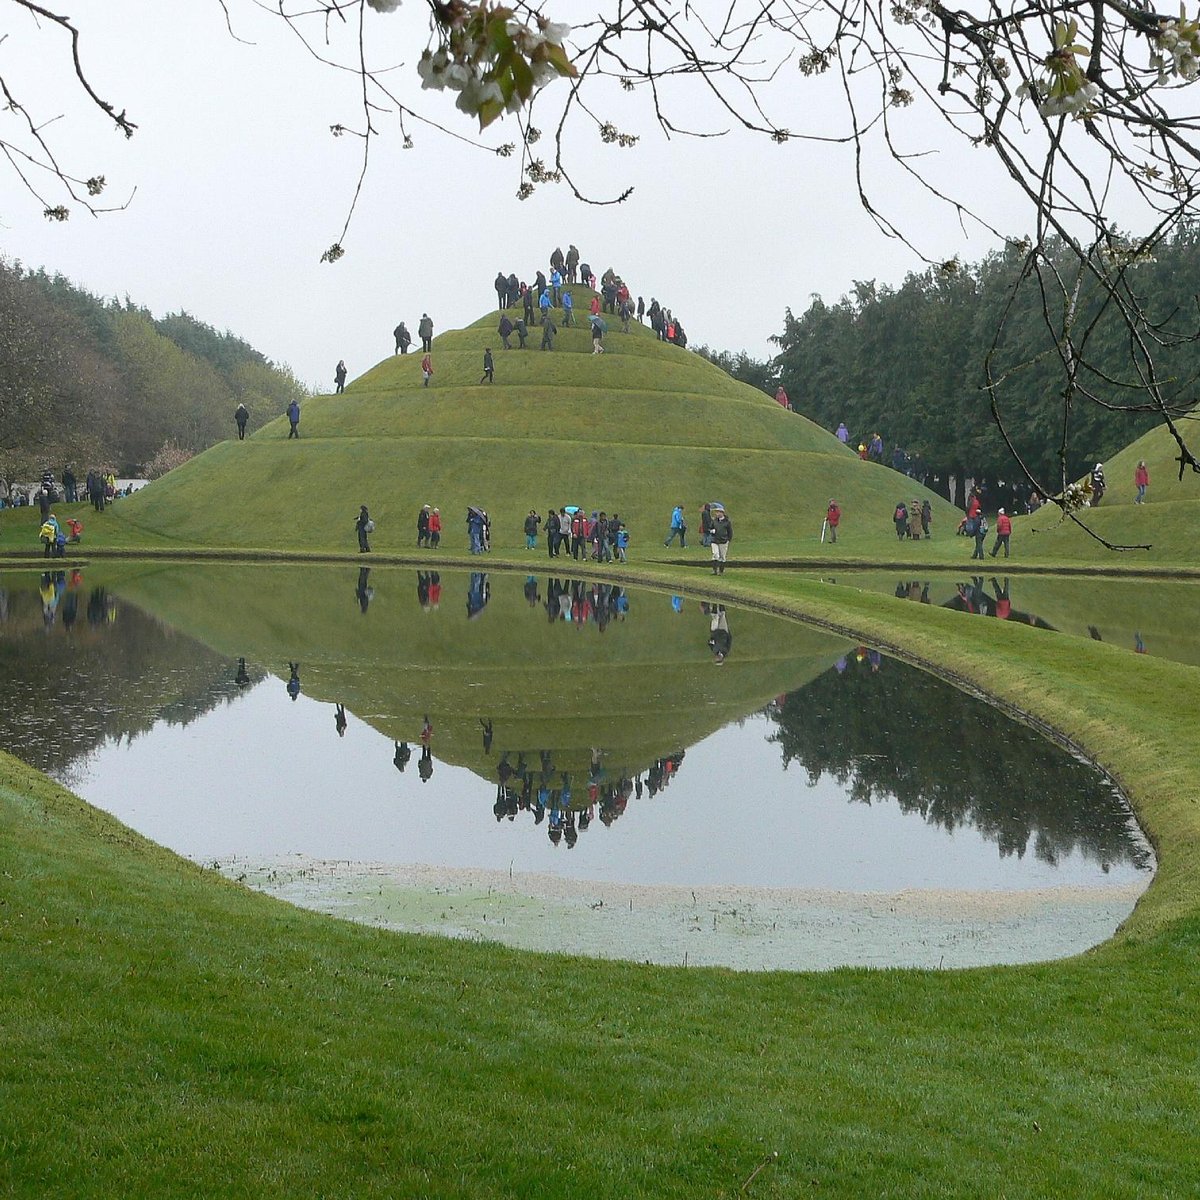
562, 765
1141, 616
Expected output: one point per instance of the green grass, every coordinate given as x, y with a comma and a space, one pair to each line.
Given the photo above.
165, 1032
168, 1033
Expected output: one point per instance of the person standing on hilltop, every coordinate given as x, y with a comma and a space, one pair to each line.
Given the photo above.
572, 264
544, 304
501, 286
781, 398
339, 376
556, 259
527, 305
293, 416
488, 367
241, 415
425, 329
403, 338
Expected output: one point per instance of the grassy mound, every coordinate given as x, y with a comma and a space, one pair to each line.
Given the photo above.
636, 430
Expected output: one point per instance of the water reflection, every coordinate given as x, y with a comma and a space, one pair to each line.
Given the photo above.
551, 719
1145, 616
565, 732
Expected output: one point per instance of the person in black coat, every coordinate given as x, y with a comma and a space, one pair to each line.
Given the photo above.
363, 525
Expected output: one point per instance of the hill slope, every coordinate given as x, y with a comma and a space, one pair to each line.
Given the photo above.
636, 430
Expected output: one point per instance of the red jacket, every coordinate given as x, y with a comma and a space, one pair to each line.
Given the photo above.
973, 505
1004, 524
833, 515
1141, 477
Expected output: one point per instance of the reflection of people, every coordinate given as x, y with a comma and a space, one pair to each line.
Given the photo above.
425, 763
293, 684
720, 640
241, 676
402, 755
477, 593
339, 720
364, 592
1003, 609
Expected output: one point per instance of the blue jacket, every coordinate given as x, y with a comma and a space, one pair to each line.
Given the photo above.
677, 517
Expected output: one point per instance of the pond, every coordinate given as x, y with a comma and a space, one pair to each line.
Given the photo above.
1142, 616
562, 765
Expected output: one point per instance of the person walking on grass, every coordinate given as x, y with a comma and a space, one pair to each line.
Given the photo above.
722, 535
833, 518
678, 528
241, 415
403, 338
426, 368
435, 529
522, 331
598, 327
1141, 479
487, 367
293, 416
363, 525
544, 304
504, 329
339, 376
423, 526
926, 518
979, 532
425, 329
568, 307
549, 329
1003, 532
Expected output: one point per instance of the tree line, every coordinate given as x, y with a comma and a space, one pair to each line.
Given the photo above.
914, 362
104, 383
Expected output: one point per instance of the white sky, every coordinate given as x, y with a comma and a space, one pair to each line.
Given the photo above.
240, 187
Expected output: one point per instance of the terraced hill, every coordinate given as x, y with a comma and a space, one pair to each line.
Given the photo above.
635, 430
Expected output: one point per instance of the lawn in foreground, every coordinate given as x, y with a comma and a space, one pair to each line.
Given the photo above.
165, 1032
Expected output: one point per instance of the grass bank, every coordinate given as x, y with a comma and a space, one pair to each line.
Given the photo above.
168, 1033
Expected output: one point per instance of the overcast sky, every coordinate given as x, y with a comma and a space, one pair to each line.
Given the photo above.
240, 187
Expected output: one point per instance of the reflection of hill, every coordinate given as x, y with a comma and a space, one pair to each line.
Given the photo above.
638, 686
954, 760
79, 668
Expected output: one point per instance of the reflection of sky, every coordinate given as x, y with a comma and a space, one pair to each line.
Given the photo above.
267, 776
